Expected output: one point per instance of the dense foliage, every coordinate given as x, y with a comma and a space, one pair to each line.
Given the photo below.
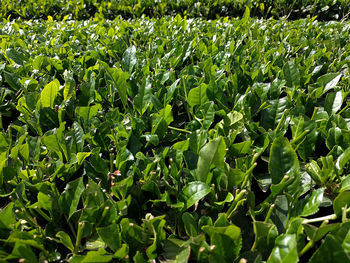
174, 139
83, 9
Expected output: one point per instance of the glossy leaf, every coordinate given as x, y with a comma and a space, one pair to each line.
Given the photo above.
197, 96
70, 197
143, 98
129, 59
226, 241
212, 153
340, 202
285, 249
291, 74
333, 102
49, 93
192, 193
283, 159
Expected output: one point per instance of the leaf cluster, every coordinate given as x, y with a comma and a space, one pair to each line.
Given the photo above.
174, 139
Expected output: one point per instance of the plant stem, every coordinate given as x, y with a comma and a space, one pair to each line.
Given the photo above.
179, 130
269, 213
81, 226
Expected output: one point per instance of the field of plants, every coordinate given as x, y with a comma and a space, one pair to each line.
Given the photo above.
131, 136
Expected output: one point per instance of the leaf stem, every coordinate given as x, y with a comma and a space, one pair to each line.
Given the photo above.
81, 226
179, 129
269, 213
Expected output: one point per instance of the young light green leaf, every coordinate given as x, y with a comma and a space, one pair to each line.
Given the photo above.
129, 59
246, 15
198, 95
49, 93
213, 153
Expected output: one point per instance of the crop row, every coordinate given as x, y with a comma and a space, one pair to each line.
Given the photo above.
211, 9
174, 139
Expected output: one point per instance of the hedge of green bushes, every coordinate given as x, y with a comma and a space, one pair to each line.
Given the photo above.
211, 9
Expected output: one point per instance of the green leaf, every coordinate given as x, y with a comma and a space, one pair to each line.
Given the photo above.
336, 138
7, 217
309, 206
333, 102
92, 256
212, 153
143, 97
118, 80
17, 56
81, 156
343, 159
265, 235
329, 81
156, 224
132, 234
70, 197
23, 251
87, 112
110, 235
331, 251
165, 113
246, 15
192, 193
27, 238
206, 113
65, 240
176, 251
129, 59
271, 116
69, 86
75, 139
197, 96
283, 159
341, 201
227, 242
229, 198
291, 74
317, 233
49, 93
285, 250
190, 224
12, 80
